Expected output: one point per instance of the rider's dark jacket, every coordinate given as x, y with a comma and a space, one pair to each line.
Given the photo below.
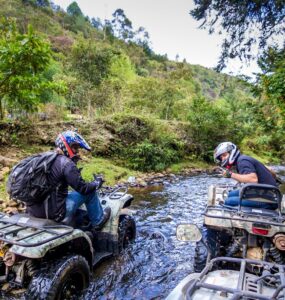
63, 173
246, 165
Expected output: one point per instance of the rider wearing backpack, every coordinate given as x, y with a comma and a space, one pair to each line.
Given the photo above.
62, 205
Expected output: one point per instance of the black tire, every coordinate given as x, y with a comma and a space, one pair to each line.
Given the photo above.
126, 231
212, 238
65, 278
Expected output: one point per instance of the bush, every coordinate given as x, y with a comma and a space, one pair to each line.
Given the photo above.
147, 156
209, 126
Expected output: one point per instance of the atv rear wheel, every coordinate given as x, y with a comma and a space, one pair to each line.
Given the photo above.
213, 239
126, 231
65, 279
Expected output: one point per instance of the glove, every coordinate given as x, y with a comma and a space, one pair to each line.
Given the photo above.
99, 180
227, 173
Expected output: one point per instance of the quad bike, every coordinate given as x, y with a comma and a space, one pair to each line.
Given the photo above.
247, 232
229, 278
46, 260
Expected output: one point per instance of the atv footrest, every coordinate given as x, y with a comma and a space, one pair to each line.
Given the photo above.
99, 256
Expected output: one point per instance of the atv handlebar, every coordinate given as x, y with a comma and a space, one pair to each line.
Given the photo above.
114, 193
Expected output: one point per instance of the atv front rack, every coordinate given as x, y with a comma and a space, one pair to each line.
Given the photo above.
27, 235
245, 288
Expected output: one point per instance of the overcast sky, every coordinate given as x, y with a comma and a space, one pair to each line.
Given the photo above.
172, 30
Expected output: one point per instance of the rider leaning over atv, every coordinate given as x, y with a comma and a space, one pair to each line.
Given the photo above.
249, 170
62, 205
220, 240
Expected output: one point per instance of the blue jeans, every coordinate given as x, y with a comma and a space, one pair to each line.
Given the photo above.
233, 200
94, 209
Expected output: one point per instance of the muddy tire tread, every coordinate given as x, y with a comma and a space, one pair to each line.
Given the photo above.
45, 282
125, 223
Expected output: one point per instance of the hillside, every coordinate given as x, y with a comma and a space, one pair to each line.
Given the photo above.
161, 111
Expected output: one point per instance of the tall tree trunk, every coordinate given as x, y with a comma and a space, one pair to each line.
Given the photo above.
1, 110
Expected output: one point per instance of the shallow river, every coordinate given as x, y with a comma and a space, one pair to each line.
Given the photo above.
152, 266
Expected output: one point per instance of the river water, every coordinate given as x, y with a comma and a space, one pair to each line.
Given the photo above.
152, 266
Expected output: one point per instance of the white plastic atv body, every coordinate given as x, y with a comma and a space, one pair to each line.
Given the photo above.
234, 281
217, 215
40, 250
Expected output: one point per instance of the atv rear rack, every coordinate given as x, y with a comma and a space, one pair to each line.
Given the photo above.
239, 292
19, 234
236, 215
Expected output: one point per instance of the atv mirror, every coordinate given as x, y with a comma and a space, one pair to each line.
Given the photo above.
188, 232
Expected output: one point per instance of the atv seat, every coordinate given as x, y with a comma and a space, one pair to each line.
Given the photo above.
27, 220
263, 193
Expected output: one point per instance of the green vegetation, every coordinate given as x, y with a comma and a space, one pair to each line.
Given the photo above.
135, 107
246, 23
24, 59
112, 173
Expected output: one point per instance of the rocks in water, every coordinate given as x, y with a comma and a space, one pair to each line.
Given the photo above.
12, 207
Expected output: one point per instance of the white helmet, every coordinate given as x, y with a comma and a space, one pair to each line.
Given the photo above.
223, 148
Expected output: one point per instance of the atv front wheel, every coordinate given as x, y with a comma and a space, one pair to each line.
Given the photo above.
213, 239
126, 231
63, 279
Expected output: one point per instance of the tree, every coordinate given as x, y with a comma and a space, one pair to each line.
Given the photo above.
41, 3
23, 60
74, 10
122, 25
97, 23
209, 125
91, 63
141, 38
271, 92
247, 23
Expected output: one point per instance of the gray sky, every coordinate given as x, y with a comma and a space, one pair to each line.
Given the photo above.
172, 30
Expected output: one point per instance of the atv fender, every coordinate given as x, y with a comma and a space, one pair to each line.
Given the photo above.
41, 250
118, 208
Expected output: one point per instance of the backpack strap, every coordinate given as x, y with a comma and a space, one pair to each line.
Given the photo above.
46, 202
46, 205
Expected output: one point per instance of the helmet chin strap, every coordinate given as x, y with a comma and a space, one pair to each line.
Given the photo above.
70, 152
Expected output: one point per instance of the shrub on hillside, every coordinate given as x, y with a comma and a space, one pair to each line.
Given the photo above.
147, 156
209, 126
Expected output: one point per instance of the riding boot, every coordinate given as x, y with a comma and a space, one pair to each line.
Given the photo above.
104, 219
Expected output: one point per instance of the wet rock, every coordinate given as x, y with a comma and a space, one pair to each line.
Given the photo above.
132, 179
144, 203
141, 183
11, 210
21, 209
13, 203
4, 205
5, 287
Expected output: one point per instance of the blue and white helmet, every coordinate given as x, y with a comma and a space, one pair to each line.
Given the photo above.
66, 139
223, 148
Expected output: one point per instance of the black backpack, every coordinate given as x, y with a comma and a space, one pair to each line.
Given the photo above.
28, 180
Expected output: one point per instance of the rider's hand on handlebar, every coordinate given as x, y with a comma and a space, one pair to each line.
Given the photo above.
99, 180
226, 173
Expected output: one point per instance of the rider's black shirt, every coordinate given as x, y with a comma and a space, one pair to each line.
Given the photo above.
246, 165
63, 173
